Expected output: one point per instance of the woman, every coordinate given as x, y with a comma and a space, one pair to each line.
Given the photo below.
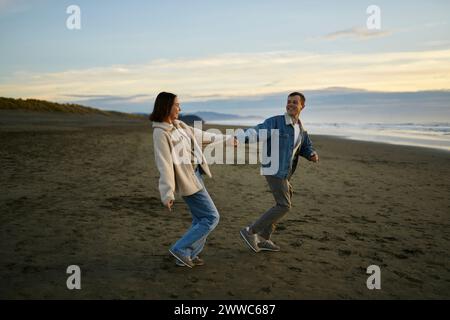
180, 161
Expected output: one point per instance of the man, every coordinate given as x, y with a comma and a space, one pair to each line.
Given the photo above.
293, 142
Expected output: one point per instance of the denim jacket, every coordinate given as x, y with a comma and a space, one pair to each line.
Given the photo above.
287, 154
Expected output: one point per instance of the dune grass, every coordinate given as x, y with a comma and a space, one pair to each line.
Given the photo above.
47, 106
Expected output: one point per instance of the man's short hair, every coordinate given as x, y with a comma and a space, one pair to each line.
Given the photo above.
302, 96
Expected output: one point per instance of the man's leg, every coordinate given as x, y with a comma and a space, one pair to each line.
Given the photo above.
282, 193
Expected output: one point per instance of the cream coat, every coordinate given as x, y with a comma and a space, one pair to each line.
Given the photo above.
171, 143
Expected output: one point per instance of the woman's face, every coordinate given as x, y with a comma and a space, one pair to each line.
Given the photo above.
175, 110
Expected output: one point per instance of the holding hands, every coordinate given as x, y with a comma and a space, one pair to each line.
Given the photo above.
234, 142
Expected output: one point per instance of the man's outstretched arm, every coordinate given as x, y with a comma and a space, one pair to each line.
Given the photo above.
258, 132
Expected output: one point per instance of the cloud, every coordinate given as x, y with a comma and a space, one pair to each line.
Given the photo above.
117, 98
437, 43
357, 33
435, 24
238, 74
14, 6
4, 4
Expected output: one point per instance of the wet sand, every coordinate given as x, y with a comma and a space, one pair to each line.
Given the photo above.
83, 190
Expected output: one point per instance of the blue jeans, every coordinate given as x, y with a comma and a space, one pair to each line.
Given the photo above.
205, 218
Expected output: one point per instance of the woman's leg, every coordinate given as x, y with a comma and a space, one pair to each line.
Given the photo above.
205, 218
198, 245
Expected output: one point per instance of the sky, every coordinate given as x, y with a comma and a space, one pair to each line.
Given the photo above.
127, 52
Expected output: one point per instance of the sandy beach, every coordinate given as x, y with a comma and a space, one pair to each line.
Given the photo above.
82, 190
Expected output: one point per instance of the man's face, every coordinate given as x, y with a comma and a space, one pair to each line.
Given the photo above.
294, 106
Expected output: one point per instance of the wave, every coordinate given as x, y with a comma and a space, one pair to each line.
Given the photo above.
431, 135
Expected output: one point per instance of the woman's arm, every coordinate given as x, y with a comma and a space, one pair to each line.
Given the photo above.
164, 163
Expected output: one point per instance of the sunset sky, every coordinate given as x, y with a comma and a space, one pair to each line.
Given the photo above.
129, 51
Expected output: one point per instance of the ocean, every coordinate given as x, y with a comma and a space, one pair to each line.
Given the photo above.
429, 135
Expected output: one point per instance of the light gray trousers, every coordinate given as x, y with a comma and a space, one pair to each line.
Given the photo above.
282, 192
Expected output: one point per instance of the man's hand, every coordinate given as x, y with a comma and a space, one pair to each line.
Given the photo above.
314, 157
169, 205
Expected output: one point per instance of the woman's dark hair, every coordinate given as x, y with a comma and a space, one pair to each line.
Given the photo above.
163, 105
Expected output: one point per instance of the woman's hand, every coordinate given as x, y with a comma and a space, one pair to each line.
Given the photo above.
169, 205
314, 157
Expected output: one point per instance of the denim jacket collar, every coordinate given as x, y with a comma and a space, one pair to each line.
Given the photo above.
288, 120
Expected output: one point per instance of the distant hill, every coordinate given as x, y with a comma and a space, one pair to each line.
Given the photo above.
190, 118
47, 106
187, 118
212, 116
207, 116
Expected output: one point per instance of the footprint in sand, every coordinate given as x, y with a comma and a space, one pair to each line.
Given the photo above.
413, 252
344, 252
356, 235
260, 267
408, 277
295, 269
134, 204
297, 243
266, 289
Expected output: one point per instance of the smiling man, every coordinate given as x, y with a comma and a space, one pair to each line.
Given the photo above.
293, 142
